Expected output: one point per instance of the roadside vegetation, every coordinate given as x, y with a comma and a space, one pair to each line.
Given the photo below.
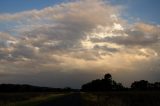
107, 92
99, 92
129, 98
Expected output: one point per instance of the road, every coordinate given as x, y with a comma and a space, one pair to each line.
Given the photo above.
73, 99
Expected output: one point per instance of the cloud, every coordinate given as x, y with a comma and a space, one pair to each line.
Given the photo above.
84, 37
140, 34
110, 49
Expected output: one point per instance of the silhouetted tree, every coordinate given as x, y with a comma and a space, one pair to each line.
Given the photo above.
145, 85
108, 77
105, 84
156, 85
140, 85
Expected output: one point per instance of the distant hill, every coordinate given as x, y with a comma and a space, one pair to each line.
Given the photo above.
30, 88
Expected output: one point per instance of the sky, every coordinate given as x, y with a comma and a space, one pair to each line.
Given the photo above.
61, 43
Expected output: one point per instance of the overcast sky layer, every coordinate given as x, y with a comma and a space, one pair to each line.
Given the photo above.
60, 43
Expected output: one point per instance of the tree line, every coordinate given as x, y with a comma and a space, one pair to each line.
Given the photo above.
104, 84
31, 88
108, 84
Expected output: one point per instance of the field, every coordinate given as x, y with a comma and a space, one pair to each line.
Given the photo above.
27, 99
127, 98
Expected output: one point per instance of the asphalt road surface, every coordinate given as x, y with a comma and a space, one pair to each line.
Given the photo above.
67, 100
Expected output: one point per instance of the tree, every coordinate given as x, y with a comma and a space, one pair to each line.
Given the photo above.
140, 85
107, 76
157, 85
105, 84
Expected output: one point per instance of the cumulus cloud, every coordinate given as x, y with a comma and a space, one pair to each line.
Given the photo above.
86, 37
139, 34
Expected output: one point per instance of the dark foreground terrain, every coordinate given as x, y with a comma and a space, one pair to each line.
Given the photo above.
73, 99
127, 98
40, 99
